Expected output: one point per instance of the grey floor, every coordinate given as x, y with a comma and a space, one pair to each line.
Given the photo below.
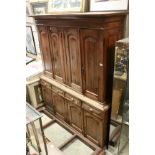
122, 148
57, 134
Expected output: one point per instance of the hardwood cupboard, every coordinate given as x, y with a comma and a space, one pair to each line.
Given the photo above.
78, 55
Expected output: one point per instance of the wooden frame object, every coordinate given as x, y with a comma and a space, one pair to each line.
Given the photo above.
94, 147
68, 5
30, 42
34, 141
38, 93
108, 5
115, 135
39, 8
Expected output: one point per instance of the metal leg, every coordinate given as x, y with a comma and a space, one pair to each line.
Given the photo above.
43, 136
28, 134
36, 137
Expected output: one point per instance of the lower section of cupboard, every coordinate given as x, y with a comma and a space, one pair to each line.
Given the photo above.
65, 138
88, 120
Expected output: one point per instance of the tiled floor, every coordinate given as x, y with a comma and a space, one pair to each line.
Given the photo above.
57, 134
121, 148
76, 147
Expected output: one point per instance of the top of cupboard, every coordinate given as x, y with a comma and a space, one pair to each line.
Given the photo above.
80, 15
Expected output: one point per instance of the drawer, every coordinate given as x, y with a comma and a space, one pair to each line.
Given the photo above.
46, 84
72, 99
92, 110
57, 91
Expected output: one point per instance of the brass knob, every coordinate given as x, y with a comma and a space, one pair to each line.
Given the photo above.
91, 109
100, 64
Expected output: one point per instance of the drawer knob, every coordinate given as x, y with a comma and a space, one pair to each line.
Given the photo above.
91, 109
72, 99
76, 102
100, 64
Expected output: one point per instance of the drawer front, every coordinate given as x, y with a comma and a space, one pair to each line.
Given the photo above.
46, 84
92, 110
72, 99
57, 91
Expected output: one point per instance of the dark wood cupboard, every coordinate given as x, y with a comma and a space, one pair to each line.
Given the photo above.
78, 55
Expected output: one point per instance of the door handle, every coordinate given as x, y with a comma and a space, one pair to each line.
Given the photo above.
69, 99
101, 64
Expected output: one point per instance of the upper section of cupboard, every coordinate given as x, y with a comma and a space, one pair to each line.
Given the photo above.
78, 49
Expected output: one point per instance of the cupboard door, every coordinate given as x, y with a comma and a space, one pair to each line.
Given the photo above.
92, 48
73, 58
93, 128
75, 113
59, 105
57, 54
46, 54
47, 97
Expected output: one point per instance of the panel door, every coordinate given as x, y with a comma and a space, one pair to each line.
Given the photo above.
92, 49
47, 97
56, 45
75, 113
45, 50
93, 128
73, 58
59, 105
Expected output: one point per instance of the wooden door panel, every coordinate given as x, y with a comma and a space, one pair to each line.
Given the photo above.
75, 116
73, 58
92, 62
47, 97
56, 48
59, 106
44, 46
93, 127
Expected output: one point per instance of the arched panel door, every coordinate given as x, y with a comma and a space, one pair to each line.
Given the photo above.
45, 50
93, 76
56, 46
73, 58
